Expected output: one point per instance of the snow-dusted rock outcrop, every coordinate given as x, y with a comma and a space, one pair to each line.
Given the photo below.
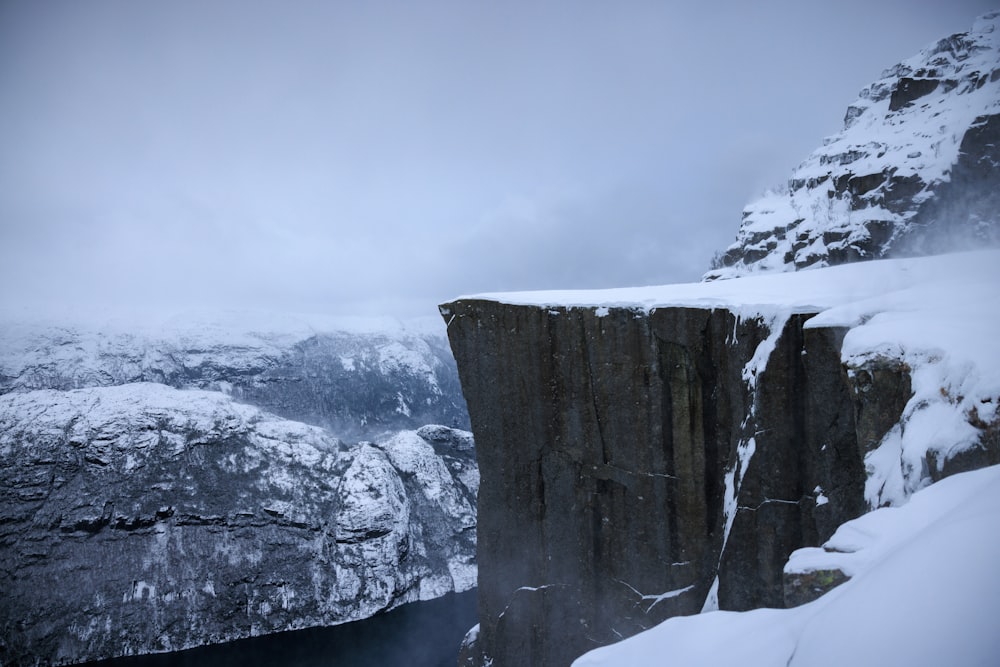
140, 518
358, 378
915, 170
654, 452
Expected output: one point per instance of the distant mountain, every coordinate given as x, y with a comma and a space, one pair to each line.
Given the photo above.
357, 378
916, 169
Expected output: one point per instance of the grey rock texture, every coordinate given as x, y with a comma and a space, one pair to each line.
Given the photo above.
916, 169
634, 465
142, 518
881, 389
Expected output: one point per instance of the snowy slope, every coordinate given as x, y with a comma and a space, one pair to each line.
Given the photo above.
916, 169
924, 593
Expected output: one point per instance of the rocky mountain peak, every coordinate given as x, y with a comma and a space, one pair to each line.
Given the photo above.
915, 169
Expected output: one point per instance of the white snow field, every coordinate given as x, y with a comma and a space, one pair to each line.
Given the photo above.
925, 591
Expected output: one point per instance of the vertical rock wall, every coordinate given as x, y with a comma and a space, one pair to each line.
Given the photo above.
635, 465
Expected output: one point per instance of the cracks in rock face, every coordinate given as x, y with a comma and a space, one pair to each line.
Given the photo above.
614, 473
530, 589
662, 475
605, 454
768, 501
657, 598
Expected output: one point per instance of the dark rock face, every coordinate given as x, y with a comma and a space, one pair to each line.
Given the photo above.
634, 465
803, 426
803, 587
915, 170
963, 212
881, 389
985, 453
908, 90
141, 518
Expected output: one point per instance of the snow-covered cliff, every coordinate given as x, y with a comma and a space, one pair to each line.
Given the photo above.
146, 505
915, 170
656, 452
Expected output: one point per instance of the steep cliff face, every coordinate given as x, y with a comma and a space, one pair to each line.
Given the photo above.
651, 454
141, 518
604, 445
915, 169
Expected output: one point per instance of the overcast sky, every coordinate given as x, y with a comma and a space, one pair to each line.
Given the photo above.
381, 157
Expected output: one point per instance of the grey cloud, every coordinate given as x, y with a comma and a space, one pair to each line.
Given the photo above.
389, 155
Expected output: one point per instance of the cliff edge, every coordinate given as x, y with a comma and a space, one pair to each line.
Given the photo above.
648, 453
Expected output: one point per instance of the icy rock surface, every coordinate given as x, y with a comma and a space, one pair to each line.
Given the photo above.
358, 378
141, 518
915, 170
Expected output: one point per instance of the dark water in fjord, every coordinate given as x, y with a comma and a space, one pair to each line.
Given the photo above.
419, 634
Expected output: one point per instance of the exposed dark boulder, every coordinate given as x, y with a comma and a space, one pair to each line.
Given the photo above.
881, 389
803, 587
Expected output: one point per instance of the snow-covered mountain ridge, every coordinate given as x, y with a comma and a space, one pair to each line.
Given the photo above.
915, 170
358, 378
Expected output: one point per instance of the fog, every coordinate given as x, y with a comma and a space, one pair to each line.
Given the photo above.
382, 157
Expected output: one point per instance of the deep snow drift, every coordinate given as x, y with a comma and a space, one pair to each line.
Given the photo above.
925, 592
